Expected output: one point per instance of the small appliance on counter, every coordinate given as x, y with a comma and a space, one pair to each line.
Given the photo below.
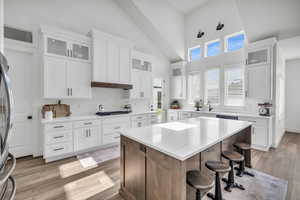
264, 109
58, 110
175, 105
199, 105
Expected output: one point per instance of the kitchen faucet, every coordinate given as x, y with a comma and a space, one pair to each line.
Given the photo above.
210, 108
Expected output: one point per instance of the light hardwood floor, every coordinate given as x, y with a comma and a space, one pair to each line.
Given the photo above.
67, 179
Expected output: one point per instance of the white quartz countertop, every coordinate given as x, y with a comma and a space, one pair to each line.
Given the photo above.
92, 117
239, 114
186, 138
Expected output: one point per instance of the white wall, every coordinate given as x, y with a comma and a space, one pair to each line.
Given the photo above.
1, 25
207, 17
167, 21
81, 16
292, 121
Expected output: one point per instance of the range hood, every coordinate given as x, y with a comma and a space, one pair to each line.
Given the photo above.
111, 85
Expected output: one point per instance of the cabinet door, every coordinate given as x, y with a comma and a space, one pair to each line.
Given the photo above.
258, 82
100, 59
55, 74
260, 136
79, 79
145, 84
133, 168
135, 92
125, 65
81, 52
177, 92
55, 46
113, 72
85, 138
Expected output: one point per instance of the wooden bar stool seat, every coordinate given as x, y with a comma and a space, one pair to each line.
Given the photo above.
243, 147
199, 181
232, 156
217, 167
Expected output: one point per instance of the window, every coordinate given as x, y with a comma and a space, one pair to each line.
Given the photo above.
212, 86
194, 86
213, 48
234, 86
194, 53
235, 41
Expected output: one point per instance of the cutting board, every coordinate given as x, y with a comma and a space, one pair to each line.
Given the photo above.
59, 110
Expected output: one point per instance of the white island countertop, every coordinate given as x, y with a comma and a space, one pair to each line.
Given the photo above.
184, 139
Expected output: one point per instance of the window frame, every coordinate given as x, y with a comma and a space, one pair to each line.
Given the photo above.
232, 35
210, 42
205, 83
189, 53
200, 73
234, 66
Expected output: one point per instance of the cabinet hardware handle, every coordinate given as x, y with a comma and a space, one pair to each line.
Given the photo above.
68, 92
89, 132
57, 137
58, 149
71, 91
58, 126
88, 123
71, 53
117, 137
117, 127
86, 133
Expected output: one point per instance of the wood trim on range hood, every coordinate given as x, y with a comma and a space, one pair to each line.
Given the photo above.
111, 85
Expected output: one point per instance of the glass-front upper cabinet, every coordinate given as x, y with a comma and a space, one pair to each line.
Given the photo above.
80, 52
56, 47
258, 56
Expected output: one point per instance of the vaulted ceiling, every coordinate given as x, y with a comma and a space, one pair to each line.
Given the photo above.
187, 6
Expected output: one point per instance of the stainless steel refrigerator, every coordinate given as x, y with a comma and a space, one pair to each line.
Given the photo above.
7, 160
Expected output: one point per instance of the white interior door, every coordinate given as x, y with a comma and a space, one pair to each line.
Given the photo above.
20, 73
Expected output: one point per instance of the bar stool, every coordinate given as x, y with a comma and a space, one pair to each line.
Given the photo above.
217, 167
232, 156
243, 147
199, 181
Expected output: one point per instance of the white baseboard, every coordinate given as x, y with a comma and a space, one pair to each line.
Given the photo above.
292, 130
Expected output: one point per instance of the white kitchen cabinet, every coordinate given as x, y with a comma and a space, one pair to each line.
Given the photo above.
258, 56
79, 79
140, 120
184, 115
111, 58
66, 64
55, 78
142, 84
172, 115
258, 82
85, 138
66, 78
178, 81
111, 129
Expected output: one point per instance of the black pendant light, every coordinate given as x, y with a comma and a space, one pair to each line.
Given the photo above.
200, 34
220, 26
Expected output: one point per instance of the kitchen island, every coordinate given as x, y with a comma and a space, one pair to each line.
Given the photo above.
155, 159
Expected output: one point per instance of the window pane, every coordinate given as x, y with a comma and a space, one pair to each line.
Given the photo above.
212, 89
194, 85
234, 87
213, 49
235, 42
195, 54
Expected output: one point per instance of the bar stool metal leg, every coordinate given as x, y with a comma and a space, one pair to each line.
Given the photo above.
241, 170
230, 183
218, 190
198, 195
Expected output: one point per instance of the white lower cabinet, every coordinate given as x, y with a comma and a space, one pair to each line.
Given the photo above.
184, 115
85, 138
111, 129
172, 115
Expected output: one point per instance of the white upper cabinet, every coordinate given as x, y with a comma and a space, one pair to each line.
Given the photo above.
141, 76
111, 58
67, 66
178, 80
259, 65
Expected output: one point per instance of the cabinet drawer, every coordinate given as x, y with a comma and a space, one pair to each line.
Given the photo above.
58, 127
116, 120
58, 149
111, 138
86, 123
140, 123
139, 117
256, 122
116, 127
57, 137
